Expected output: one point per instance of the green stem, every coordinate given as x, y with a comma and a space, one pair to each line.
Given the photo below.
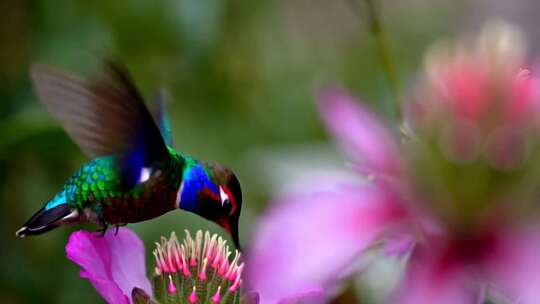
375, 26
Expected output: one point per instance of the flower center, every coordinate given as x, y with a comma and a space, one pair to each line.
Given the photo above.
197, 270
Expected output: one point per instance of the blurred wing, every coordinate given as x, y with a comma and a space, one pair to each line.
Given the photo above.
103, 117
159, 112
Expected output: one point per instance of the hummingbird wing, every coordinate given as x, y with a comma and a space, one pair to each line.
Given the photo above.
104, 117
159, 112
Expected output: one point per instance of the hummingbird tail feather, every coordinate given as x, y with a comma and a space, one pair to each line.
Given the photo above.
47, 219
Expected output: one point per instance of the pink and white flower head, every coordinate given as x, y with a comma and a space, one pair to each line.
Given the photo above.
195, 270
199, 267
458, 193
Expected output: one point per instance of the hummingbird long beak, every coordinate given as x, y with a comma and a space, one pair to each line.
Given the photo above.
231, 226
234, 234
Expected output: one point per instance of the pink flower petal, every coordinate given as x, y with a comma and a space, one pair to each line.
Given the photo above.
428, 281
313, 297
362, 136
306, 242
114, 264
517, 268
399, 244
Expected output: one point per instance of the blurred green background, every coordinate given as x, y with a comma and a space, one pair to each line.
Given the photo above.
242, 76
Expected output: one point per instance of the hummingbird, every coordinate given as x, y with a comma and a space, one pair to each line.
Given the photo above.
134, 173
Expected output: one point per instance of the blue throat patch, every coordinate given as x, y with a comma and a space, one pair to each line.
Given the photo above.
194, 179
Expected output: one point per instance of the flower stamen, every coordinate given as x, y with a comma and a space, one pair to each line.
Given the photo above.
198, 268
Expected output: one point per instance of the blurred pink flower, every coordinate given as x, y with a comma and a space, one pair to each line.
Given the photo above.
467, 221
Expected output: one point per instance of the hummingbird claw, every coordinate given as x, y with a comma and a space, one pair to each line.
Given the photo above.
101, 232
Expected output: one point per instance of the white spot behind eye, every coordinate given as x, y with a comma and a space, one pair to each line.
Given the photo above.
145, 174
224, 197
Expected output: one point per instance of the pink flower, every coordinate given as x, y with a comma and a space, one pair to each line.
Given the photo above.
114, 264
457, 192
196, 270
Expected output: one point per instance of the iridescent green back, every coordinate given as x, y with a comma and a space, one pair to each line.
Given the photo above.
99, 179
95, 180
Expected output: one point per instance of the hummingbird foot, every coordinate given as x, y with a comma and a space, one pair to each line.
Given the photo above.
103, 226
118, 225
101, 232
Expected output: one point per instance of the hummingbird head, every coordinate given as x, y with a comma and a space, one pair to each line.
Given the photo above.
226, 212
217, 194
